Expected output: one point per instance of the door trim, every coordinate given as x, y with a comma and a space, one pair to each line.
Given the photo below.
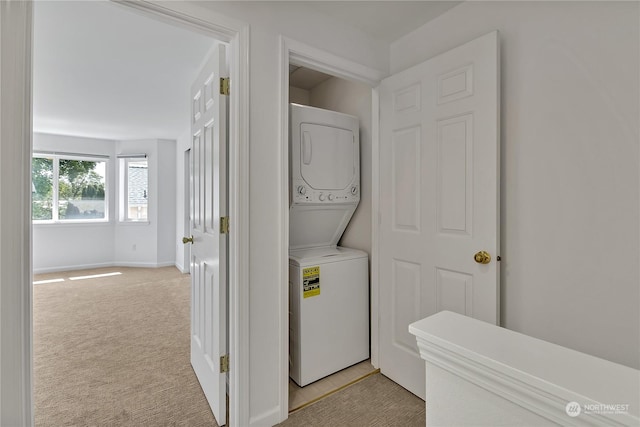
298, 53
375, 227
185, 265
16, 361
190, 16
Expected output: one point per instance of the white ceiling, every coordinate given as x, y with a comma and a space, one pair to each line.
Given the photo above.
102, 71
384, 20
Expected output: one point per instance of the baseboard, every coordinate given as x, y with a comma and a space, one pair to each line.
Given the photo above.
104, 265
166, 264
143, 264
72, 267
182, 269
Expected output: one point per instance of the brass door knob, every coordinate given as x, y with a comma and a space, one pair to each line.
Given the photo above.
186, 240
482, 257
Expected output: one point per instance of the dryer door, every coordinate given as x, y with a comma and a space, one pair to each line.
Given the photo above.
327, 156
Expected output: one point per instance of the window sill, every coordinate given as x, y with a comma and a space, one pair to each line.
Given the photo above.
127, 223
71, 223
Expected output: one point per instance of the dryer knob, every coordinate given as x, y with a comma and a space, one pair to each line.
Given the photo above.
330, 197
321, 197
301, 190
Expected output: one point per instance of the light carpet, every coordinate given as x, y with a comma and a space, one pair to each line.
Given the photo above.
374, 401
114, 351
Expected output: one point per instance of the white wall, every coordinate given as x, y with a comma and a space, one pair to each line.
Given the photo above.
151, 243
59, 247
267, 255
570, 229
298, 95
167, 201
355, 99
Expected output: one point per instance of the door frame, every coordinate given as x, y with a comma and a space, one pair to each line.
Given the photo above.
16, 367
301, 54
16, 360
186, 205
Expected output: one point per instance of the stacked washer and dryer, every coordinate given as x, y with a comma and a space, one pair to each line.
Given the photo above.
328, 284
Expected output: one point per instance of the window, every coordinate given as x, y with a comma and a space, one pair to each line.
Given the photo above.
41, 189
134, 186
68, 188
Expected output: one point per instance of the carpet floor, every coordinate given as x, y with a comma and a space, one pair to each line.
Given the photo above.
375, 401
114, 351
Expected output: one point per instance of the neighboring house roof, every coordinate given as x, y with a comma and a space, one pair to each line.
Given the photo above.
138, 185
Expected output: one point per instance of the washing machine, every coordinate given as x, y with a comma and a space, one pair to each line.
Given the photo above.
328, 311
329, 284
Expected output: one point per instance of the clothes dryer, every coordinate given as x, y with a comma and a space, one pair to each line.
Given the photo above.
325, 175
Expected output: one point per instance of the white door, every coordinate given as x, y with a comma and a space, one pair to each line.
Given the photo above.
439, 198
209, 246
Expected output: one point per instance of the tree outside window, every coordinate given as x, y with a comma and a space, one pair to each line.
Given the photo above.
65, 189
41, 189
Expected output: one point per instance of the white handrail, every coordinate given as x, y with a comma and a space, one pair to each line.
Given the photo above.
482, 374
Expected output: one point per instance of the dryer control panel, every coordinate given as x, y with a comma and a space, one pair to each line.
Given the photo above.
303, 193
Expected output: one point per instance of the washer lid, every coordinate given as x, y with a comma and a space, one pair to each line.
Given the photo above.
318, 225
324, 255
327, 156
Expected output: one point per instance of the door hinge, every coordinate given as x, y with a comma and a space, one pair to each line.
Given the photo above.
224, 363
224, 85
224, 225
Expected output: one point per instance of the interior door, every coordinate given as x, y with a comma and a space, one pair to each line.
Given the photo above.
209, 245
439, 198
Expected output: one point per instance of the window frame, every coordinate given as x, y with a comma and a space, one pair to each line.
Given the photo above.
55, 199
123, 187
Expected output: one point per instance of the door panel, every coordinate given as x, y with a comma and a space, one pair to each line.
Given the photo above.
454, 142
209, 246
439, 198
406, 303
210, 179
454, 291
406, 179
